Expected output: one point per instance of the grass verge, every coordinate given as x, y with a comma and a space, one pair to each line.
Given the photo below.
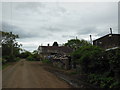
5, 65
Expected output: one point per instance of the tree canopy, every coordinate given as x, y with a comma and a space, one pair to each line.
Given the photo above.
10, 47
76, 43
89, 57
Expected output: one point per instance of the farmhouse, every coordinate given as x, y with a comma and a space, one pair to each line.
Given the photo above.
59, 55
46, 51
109, 41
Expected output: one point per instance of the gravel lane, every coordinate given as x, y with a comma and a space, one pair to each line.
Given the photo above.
26, 74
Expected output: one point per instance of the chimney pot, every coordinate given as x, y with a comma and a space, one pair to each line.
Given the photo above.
111, 30
48, 44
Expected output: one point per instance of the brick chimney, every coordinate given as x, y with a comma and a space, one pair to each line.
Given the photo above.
110, 30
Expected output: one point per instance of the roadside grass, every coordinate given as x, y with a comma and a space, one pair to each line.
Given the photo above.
46, 61
5, 65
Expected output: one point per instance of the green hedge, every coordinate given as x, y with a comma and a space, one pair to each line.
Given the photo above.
90, 58
46, 61
100, 65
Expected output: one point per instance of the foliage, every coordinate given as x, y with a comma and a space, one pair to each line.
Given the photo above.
46, 61
8, 37
3, 61
36, 55
115, 85
100, 80
100, 65
17, 59
10, 47
31, 56
73, 73
89, 58
76, 43
113, 56
25, 54
5, 65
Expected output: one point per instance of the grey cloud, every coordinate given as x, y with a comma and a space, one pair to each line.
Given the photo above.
46, 22
87, 30
28, 5
68, 36
24, 33
51, 28
17, 30
40, 8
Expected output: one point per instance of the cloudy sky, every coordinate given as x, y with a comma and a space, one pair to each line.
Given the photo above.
39, 23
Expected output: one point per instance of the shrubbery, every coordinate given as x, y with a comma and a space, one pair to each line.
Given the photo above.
100, 80
46, 61
99, 65
90, 58
25, 54
113, 56
30, 56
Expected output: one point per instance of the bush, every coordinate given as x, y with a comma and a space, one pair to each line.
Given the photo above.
115, 85
100, 65
100, 80
46, 61
113, 56
89, 58
30, 58
10, 58
25, 54
17, 59
4, 61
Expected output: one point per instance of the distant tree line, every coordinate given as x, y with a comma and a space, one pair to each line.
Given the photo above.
12, 51
30, 56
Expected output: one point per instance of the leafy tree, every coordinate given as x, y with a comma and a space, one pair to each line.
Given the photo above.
10, 47
31, 56
76, 43
36, 55
25, 54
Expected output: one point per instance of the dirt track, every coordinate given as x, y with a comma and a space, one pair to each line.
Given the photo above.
26, 74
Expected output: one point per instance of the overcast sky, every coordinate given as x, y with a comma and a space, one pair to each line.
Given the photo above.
41, 23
